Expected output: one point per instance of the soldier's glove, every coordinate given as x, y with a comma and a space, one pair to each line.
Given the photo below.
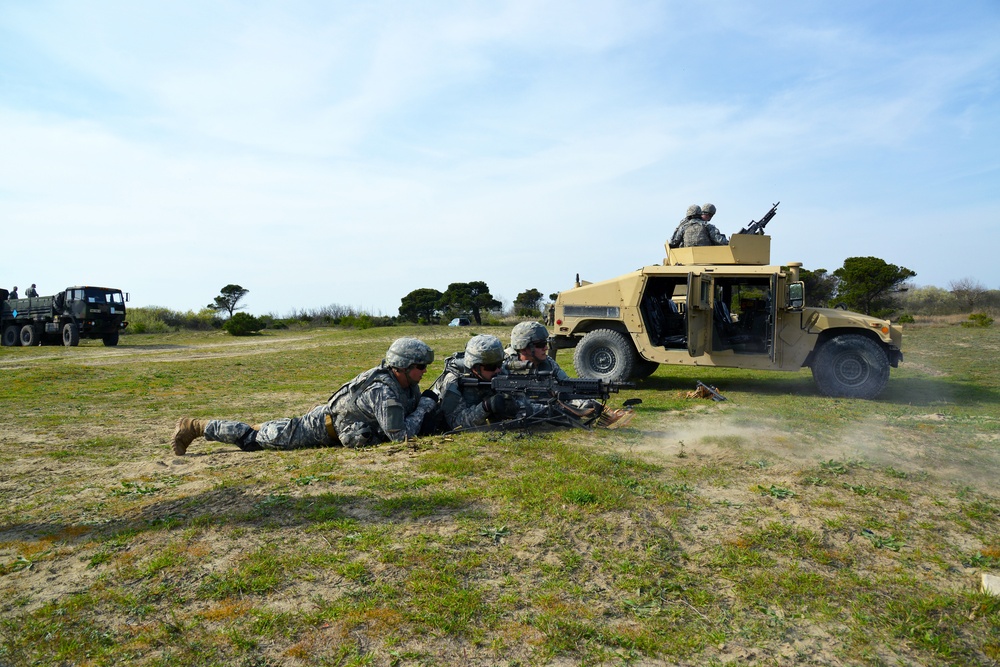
431, 394
500, 406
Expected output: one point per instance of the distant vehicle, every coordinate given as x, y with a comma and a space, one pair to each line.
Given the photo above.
460, 322
74, 313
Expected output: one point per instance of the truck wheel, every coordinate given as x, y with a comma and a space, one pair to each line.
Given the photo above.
643, 369
10, 336
606, 355
851, 366
111, 339
71, 334
29, 337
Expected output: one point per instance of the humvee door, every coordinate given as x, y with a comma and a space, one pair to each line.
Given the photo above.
699, 313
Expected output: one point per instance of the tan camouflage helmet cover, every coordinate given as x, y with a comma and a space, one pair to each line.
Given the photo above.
405, 352
694, 211
526, 333
708, 209
483, 349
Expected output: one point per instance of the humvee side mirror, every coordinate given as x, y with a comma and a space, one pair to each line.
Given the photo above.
796, 296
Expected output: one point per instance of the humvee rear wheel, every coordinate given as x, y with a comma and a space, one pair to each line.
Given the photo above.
11, 336
71, 334
29, 337
851, 366
606, 355
111, 339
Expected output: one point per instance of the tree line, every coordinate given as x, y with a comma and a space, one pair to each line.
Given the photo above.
871, 285
863, 284
430, 306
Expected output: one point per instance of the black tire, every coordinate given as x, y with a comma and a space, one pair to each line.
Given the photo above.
71, 334
851, 366
606, 355
29, 336
111, 339
11, 336
643, 369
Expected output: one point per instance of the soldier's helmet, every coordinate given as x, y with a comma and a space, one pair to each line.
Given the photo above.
708, 209
405, 352
526, 333
483, 349
694, 211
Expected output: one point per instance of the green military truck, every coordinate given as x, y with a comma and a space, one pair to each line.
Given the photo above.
74, 313
721, 306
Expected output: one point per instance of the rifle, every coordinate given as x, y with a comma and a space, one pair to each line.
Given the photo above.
544, 386
549, 393
710, 390
758, 227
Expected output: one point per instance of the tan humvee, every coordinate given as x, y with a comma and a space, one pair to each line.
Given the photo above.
721, 306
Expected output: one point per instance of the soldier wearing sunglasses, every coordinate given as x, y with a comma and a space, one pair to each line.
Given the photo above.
528, 353
380, 405
463, 406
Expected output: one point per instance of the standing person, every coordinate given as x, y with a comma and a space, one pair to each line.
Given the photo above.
13, 293
380, 405
528, 353
31, 291
695, 231
465, 407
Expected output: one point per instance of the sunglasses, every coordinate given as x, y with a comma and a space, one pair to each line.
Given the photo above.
540, 345
419, 367
490, 367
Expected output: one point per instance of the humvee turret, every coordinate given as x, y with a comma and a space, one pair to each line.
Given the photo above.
66, 317
721, 306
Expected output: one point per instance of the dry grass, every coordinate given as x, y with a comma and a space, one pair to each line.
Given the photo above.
779, 527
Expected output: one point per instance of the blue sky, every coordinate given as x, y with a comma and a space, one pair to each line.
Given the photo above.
348, 153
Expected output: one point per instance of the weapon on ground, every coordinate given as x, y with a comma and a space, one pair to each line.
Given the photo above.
756, 227
703, 390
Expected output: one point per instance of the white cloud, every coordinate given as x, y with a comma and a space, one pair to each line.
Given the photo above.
321, 153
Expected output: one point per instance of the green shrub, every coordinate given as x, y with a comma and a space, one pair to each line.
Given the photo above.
146, 320
978, 320
242, 324
906, 319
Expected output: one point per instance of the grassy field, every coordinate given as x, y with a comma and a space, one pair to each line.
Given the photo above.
779, 527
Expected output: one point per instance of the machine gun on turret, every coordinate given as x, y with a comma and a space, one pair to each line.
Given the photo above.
756, 227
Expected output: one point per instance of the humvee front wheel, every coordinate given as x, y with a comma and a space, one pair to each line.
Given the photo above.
643, 369
11, 336
851, 366
606, 355
110, 340
71, 334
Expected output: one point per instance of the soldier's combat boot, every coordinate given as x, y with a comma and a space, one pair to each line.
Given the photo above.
187, 430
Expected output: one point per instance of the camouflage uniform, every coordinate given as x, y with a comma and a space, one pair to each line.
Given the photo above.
465, 407
693, 231
677, 240
373, 407
461, 407
522, 336
698, 232
370, 409
31, 291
